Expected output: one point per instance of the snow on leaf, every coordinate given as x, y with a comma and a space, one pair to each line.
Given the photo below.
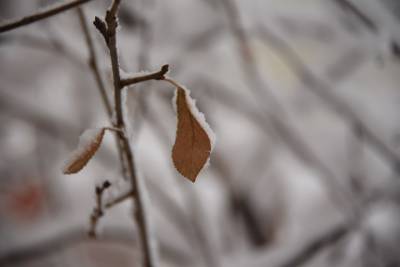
194, 138
89, 143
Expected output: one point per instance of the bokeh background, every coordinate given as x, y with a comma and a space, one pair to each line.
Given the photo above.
303, 96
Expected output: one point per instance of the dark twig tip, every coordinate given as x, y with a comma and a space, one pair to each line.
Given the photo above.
164, 68
98, 190
163, 71
106, 184
100, 26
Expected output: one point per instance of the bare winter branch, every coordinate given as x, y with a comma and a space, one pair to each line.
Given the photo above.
159, 75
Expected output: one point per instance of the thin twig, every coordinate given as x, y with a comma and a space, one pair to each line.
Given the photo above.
314, 247
51, 11
94, 66
118, 200
108, 29
97, 212
158, 75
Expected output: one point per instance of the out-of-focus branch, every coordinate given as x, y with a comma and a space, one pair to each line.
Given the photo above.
77, 235
58, 242
325, 92
54, 127
93, 62
308, 251
35, 42
349, 6
51, 11
369, 23
277, 115
198, 43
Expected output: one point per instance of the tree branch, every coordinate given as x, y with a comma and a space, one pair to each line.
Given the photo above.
97, 212
93, 63
58, 242
75, 235
372, 26
159, 75
315, 246
51, 11
108, 29
118, 200
349, 6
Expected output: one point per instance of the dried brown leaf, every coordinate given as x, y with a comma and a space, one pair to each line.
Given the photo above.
89, 143
192, 146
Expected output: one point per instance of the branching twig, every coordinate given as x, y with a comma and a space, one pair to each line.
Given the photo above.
97, 212
40, 15
93, 63
108, 29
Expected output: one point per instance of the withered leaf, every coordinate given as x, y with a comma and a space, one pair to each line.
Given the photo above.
89, 143
192, 146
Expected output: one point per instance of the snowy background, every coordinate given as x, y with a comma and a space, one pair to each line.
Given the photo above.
303, 97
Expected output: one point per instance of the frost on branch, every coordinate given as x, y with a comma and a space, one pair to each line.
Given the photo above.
194, 137
89, 143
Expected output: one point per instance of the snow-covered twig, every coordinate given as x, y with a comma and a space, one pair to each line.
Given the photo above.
158, 75
107, 28
93, 63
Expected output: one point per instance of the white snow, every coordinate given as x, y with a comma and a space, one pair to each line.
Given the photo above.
85, 140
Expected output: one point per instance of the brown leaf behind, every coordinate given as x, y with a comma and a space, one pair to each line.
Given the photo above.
85, 151
192, 144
